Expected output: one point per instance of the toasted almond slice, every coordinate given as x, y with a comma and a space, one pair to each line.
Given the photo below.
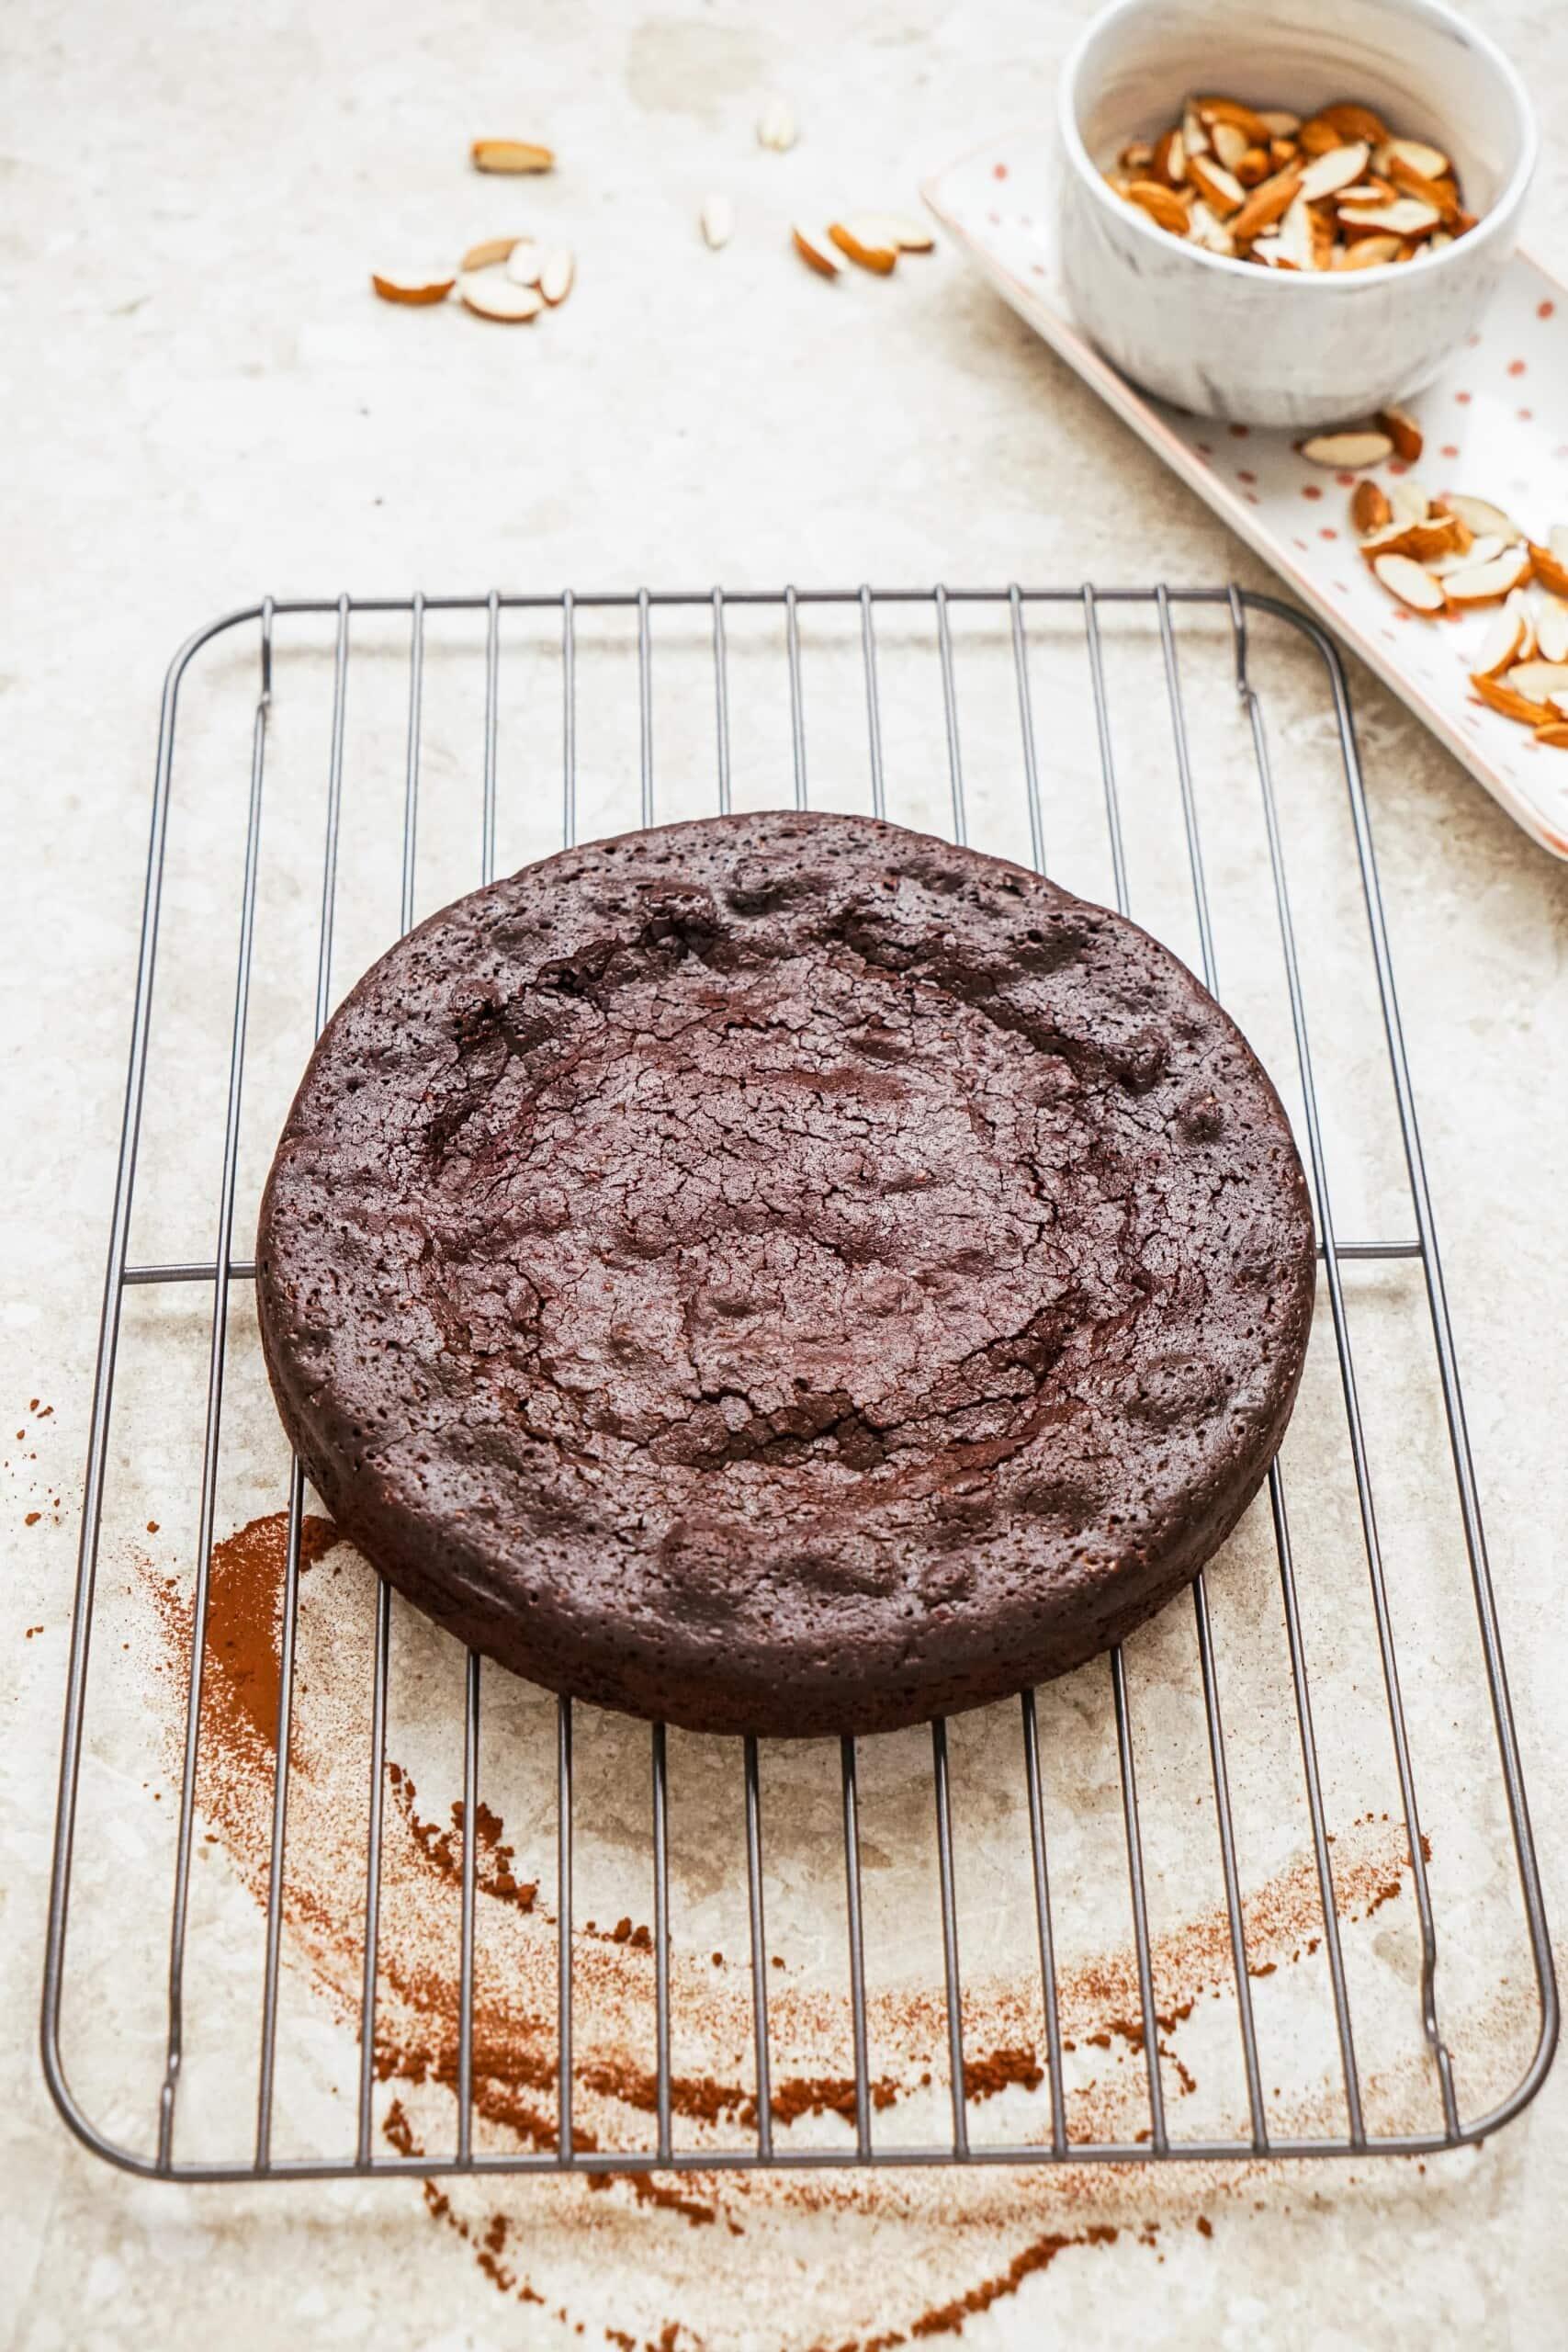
1162, 204
1340, 167
717, 220
1355, 123
1194, 137
524, 262
1554, 733
1253, 165
1220, 189
1281, 152
1519, 600
1369, 509
1442, 195
894, 229
1297, 245
511, 156
1322, 242
1137, 156
1405, 217
1213, 113
1169, 163
1403, 432
1504, 643
1430, 161
1350, 451
1488, 584
1540, 682
1550, 568
881, 259
1410, 582
1503, 697
491, 294
1316, 137
1268, 203
1368, 252
486, 253
1465, 558
1428, 542
776, 126
557, 273
816, 251
1279, 121
1410, 499
1481, 516
1204, 229
1229, 142
1552, 628
414, 290
1269, 253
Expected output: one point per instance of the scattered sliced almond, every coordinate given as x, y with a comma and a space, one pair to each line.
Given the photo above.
1505, 698
1428, 541
717, 220
1481, 516
1551, 568
776, 126
1369, 252
1479, 551
1369, 508
414, 290
1488, 584
556, 273
881, 259
894, 229
1540, 682
1430, 161
1220, 189
1407, 217
487, 253
1520, 601
511, 156
524, 262
1504, 643
816, 250
1340, 167
1403, 432
1162, 204
1551, 629
491, 294
1410, 499
1555, 734
1411, 582
1348, 450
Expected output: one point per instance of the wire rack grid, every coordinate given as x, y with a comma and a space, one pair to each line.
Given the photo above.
1013, 611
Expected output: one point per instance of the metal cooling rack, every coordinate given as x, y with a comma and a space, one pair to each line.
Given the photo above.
1012, 608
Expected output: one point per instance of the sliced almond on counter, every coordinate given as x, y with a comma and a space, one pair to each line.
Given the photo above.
1550, 569
1481, 516
1430, 161
881, 259
1369, 509
894, 229
414, 290
1340, 167
1540, 682
511, 156
1410, 582
1477, 551
524, 262
1551, 629
1403, 432
816, 251
1487, 584
717, 220
487, 253
1220, 189
489, 294
776, 126
1350, 451
1505, 698
557, 273
1506, 637
1162, 204
1407, 217
1268, 203
1369, 252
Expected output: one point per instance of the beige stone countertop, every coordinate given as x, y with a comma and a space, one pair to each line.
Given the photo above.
203, 404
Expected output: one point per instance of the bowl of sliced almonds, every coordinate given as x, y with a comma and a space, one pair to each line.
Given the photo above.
1292, 211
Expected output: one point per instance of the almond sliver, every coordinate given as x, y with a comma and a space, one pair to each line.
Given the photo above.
776, 126
1410, 499
1503, 697
1220, 189
1430, 161
816, 251
1481, 516
1350, 451
1503, 644
717, 220
1161, 204
879, 259
511, 156
1551, 629
1405, 217
894, 229
1368, 252
524, 262
1326, 175
414, 290
1487, 584
1403, 432
492, 294
1266, 203
1540, 682
487, 253
1369, 508
1410, 582
556, 274
1550, 568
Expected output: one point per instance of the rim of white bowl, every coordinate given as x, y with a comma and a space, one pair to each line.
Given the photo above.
1503, 209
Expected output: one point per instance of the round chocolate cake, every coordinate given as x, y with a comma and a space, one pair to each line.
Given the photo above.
784, 1274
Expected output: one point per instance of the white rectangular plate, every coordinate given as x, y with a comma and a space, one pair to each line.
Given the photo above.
1495, 425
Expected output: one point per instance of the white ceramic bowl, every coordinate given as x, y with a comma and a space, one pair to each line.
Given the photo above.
1226, 338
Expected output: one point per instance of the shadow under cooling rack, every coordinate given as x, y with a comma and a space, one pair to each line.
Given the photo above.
929, 704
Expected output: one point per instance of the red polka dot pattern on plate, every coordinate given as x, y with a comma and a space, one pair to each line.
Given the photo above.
1516, 367
1311, 489
1546, 310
